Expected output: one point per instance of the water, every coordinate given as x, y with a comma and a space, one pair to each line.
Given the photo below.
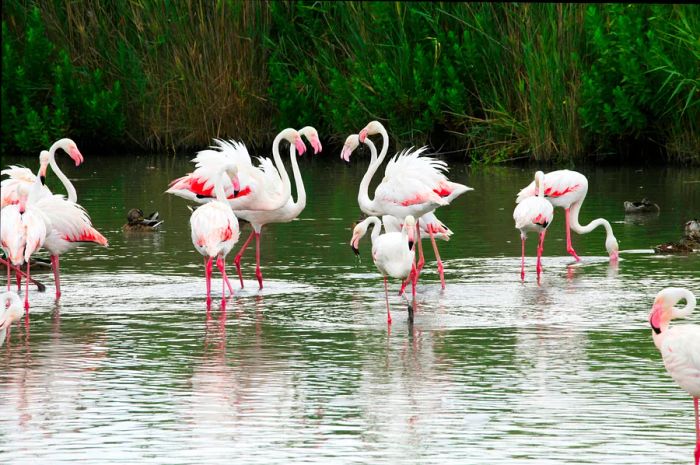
130, 367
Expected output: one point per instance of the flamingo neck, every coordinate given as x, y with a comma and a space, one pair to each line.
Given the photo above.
376, 227
300, 203
367, 205
72, 194
219, 190
676, 294
286, 184
576, 226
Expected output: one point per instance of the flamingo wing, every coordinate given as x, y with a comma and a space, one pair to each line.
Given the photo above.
533, 211
69, 221
681, 354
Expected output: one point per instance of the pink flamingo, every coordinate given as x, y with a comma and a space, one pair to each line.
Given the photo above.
534, 214
10, 311
679, 345
23, 230
568, 189
392, 253
285, 214
215, 230
255, 188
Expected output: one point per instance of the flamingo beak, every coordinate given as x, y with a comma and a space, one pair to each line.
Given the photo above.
42, 174
236, 185
410, 244
655, 318
76, 155
345, 153
355, 245
301, 147
614, 255
363, 135
316, 144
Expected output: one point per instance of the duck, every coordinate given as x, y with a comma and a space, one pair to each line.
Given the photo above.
643, 206
690, 242
137, 222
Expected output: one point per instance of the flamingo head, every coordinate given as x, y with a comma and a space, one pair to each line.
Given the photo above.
71, 149
374, 127
409, 224
232, 171
539, 183
14, 246
612, 247
293, 137
357, 233
13, 307
312, 135
43, 165
351, 143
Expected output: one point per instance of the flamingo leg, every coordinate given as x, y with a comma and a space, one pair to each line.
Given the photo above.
258, 272
412, 307
569, 247
221, 265
40, 287
386, 294
522, 259
697, 431
18, 278
421, 258
56, 275
441, 269
540, 249
26, 291
237, 259
9, 276
207, 275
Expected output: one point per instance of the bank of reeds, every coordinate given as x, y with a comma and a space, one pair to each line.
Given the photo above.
492, 81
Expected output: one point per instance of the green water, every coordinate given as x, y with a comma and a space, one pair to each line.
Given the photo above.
131, 368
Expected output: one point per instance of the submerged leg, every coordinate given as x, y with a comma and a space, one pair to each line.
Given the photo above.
258, 272
419, 244
697, 431
569, 247
237, 260
412, 307
9, 276
26, 291
441, 270
540, 249
522, 259
221, 265
56, 275
386, 294
207, 275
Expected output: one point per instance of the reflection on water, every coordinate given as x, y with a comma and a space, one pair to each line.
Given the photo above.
132, 368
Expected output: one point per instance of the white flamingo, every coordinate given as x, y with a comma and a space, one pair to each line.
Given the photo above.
534, 214
23, 230
568, 189
679, 345
10, 311
215, 230
290, 210
392, 253
255, 187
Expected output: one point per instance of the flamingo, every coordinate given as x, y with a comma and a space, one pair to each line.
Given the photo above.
23, 230
215, 230
10, 311
285, 214
255, 188
679, 345
568, 189
534, 214
392, 253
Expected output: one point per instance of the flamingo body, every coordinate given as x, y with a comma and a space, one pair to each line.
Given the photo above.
10, 312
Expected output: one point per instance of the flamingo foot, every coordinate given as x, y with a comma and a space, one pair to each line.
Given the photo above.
441, 271
572, 252
258, 274
522, 275
403, 286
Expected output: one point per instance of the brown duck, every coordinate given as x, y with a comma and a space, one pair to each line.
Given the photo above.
137, 222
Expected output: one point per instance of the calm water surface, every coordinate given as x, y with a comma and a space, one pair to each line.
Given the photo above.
131, 368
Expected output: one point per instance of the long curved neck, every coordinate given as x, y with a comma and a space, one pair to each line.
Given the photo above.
376, 227
72, 194
677, 294
385, 141
286, 184
219, 189
300, 202
576, 226
367, 204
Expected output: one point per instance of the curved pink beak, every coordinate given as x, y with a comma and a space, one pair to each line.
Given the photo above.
299, 144
614, 256
76, 156
345, 153
316, 144
236, 185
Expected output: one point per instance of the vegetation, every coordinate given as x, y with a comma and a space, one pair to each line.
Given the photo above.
492, 81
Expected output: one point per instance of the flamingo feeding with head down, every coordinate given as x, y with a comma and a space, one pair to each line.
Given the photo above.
679, 345
215, 230
568, 189
255, 187
534, 214
392, 253
10, 311
285, 214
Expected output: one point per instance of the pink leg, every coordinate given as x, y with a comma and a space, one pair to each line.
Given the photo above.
18, 278
697, 431
412, 307
441, 270
569, 247
207, 275
237, 260
258, 272
540, 249
404, 284
26, 291
421, 258
386, 294
56, 275
9, 276
221, 264
522, 260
